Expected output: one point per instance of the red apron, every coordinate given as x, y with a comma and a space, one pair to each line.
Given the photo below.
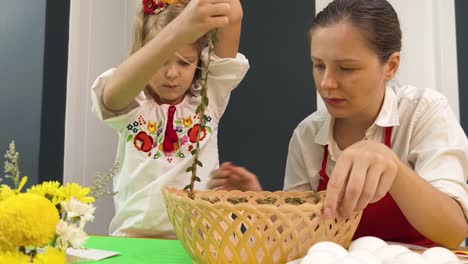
384, 218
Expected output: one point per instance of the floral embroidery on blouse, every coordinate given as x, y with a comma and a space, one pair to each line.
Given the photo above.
147, 136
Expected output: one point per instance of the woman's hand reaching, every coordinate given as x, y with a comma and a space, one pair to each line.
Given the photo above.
363, 174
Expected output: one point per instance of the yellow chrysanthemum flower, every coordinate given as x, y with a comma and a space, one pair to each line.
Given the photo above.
50, 256
6, 192
13, 257
49, 190
22, 183
75, 190
26, 220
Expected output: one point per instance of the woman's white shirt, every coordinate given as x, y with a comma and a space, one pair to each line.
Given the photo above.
426, 137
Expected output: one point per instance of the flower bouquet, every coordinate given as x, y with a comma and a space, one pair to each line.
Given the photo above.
249, 227
38, 225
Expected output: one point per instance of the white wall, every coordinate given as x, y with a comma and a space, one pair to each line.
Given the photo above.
100, 35
429, 53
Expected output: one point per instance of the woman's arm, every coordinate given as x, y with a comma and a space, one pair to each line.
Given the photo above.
438, 148
433, 213
367, 170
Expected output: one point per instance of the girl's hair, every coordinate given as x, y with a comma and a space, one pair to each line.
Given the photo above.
375, 19
148, 26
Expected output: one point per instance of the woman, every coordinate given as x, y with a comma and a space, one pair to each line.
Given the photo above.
396, 152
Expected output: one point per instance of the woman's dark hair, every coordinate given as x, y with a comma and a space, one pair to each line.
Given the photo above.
375, 19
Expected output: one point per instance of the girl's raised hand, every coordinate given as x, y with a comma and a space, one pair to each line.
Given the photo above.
363, 174
230, 177
236, 14
201, 16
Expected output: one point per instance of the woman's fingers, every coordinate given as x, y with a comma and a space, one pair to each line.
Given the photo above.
363, 174
355, 186
336, 186
370, 186
385, 182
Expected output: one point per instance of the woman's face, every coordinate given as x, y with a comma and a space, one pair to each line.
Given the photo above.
348, 74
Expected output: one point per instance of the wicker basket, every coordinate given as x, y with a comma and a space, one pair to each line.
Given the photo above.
253, 227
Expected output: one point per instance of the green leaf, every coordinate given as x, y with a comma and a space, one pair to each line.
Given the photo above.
160, 139
180, 155
179, 123
194, 151
208, 129
214, 38
129, 138
187, 188
199, 163
197, 179
160, 124
205, 101
189, 169
200, 109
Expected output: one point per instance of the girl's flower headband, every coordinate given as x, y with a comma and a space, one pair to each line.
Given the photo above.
151, 7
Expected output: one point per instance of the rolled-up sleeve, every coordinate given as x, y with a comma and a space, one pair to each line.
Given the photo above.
456, 190
439, 152
296, 173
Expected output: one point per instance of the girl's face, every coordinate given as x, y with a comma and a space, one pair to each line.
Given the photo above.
348, 74
172, 81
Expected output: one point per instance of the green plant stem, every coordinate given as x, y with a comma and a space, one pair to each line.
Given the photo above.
202, 107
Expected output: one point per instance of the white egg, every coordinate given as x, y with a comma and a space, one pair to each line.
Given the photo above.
369, 243
439, 255
388, 253
347, 260
319, 256
366, 256
409, 258
335, 249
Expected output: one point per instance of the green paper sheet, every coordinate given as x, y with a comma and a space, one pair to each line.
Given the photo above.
139, 250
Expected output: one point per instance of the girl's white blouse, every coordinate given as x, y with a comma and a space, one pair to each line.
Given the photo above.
144, 166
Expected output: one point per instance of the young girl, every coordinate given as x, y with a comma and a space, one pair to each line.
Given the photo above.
395, 151
151, 100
